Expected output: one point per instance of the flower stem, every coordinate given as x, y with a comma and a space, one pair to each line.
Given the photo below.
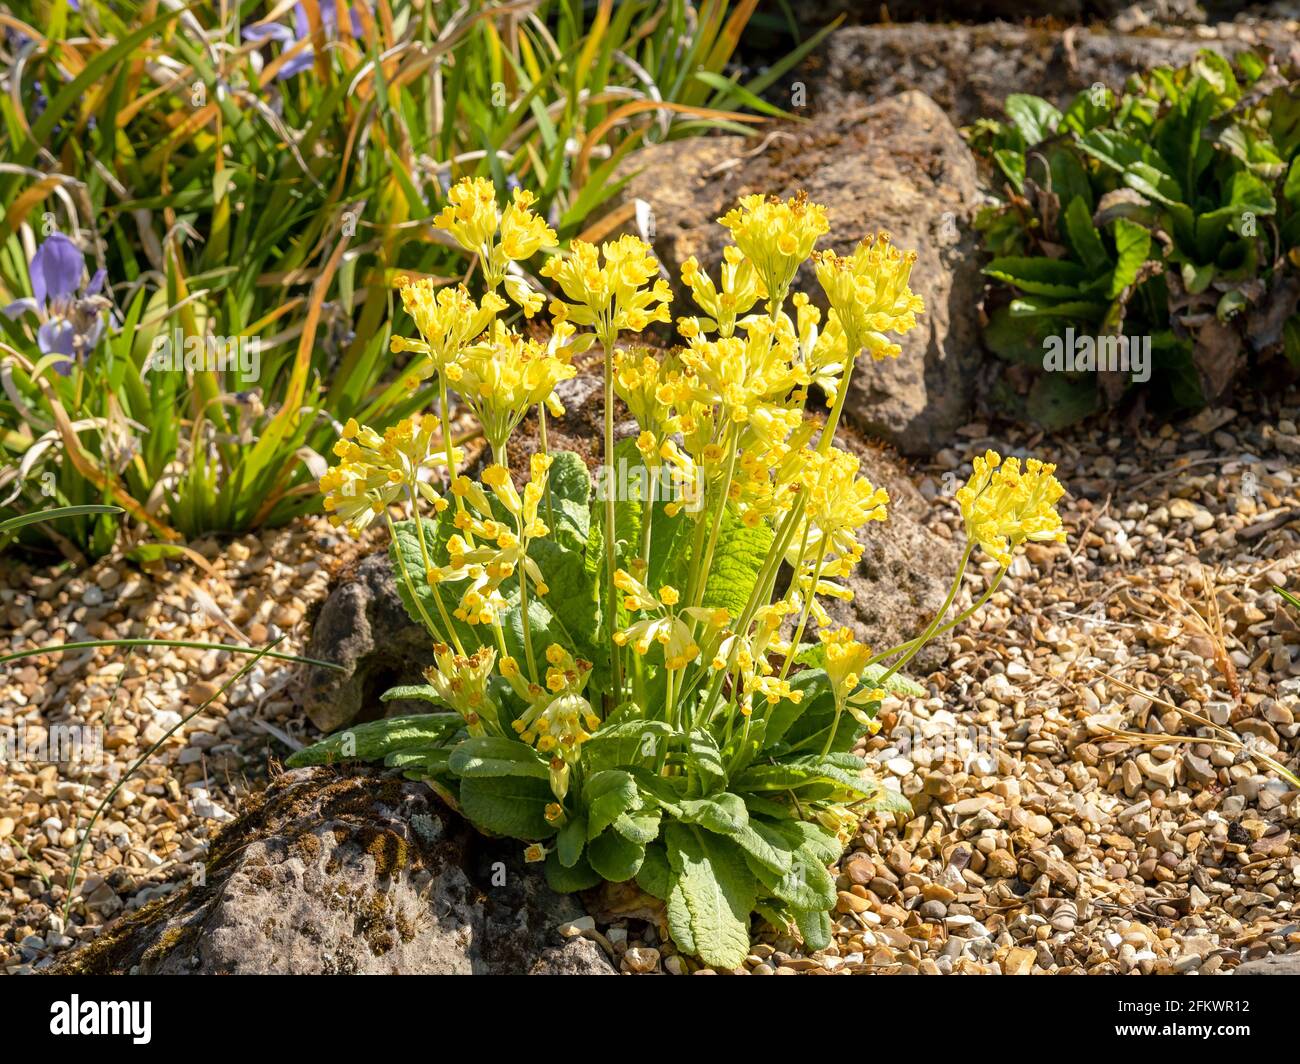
934, 624
611, 560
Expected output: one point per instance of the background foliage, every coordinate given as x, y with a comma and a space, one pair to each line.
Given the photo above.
1170, 212
241, 185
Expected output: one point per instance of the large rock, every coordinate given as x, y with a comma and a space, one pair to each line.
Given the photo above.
897, 165
327, 872
1278, 964
364, 628
969, 70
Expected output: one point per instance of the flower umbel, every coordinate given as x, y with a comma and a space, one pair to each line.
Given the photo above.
777, 236
1004, 507
869, 293
461, 682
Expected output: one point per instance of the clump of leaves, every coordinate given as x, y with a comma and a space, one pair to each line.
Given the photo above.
618, 683
1169, 214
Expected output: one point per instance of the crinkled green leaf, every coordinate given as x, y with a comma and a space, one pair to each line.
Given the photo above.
616, 857
507, 805
712, 896
490, 755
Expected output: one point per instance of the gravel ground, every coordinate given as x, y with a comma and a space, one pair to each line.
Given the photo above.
255, 589
1044, 842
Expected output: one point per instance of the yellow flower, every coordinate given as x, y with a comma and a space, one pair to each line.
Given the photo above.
743, 376
493, 552
823, 350
473, 218
528, 297
376, 471
503, 377
462, 683
666, 625
741, 289
776, 236
614, 296
648, 387
1003, 507
448, 320
559, 719
471, 214
846, 659
869, 293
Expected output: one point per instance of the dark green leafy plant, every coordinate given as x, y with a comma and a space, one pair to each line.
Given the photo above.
1169, 216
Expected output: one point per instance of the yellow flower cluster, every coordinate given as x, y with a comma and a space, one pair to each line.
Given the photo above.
497, 237
612, 295
448, 320
502, 378
558, 718
869, 293
741, 289
1003, 507
376, 471
747, 378
666, 624
462, 683
487, 552
777, 236
845, 660
838, 504
747, 653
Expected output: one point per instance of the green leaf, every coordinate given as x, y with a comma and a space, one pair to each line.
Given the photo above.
569, 879
629, 743
420, 692
1039, 276
1133, 244
1034, 117
608, 795
570, 840
1085, 238
706, 761
815, 927
490, 755
615, 857
723, 814
507, 805
655, 876
1056, 401
54, 514
712, 896
376, 739
642, 828
737, 558
765, 845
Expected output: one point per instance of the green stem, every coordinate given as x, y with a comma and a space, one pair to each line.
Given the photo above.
968, 612
611, 560
928, 634
81, 847
429, 626
91, 644
807, 607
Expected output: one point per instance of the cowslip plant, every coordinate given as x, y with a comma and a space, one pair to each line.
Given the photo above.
1170, 213
621, 680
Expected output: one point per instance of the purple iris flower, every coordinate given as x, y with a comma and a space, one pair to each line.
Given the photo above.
274, 31
70, 315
